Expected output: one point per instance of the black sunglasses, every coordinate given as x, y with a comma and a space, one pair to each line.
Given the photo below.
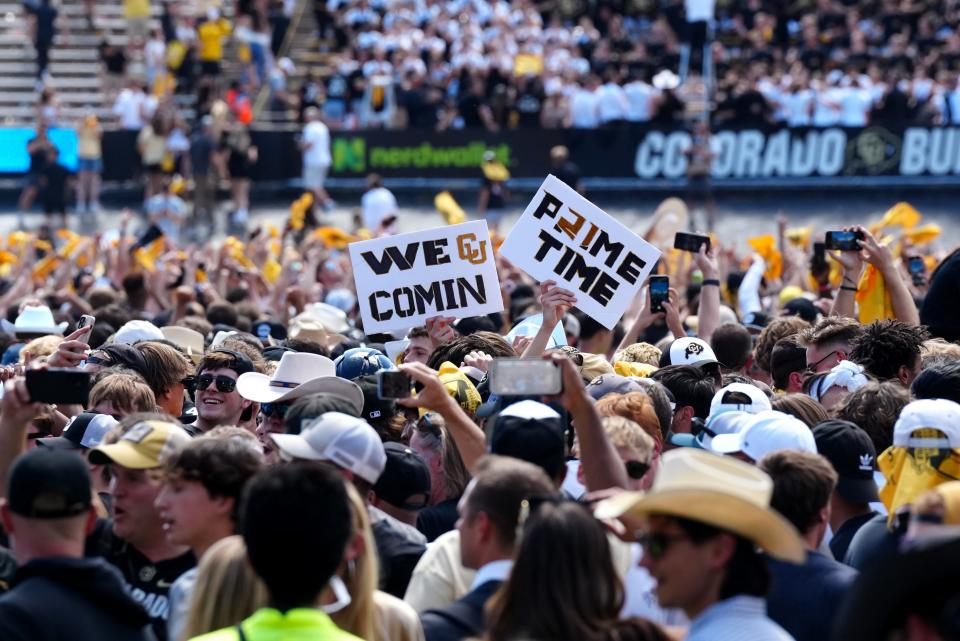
813, 366
225, 384
655, 545
278, 410
636, 469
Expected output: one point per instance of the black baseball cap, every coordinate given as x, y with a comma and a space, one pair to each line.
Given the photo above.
49, 483
851, 453
803, 308
532, 432
405, 481
265, 330
374, 407
85, 430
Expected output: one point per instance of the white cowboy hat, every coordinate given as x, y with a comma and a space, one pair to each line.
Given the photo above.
34, 320
297, 375
332, 318
719, 491
189, 339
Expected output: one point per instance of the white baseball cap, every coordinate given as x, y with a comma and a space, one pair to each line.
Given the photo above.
767, 432
347, 441
137, 330
688, 350
930, 413
726, 423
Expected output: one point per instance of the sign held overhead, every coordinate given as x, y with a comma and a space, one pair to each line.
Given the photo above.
562, 236
403, 280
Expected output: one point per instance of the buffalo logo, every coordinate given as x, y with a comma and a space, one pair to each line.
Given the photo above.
472, 250
693, 349
873, 151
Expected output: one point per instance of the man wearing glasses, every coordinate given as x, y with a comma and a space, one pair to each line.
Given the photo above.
828, 342
217, 399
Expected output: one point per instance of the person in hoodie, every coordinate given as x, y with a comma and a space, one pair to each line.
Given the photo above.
56, 593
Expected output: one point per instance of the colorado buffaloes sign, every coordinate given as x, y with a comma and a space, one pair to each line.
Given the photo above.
404, 280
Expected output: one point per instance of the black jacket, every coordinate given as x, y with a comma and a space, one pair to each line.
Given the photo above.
940, 311
77, 599
462, 618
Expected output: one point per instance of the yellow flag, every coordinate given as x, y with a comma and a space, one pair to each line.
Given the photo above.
334, 237
923, 234
45, 267
766, 246
271, 270
448, 207
902, 214
872, 297
144, 259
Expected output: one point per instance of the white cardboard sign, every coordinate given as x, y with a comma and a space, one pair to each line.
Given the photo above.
562, 236
403, 280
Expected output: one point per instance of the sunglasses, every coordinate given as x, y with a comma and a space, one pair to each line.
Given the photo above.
224, 383
813, 366
655, 545
636, 469
276, 410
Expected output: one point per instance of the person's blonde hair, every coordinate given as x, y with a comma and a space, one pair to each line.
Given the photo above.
40, 348
639, 353
361, 578
636, 406
938, 347
624, 433
129, 393
227, 590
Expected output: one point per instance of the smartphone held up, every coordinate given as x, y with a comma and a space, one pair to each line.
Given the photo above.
525, 377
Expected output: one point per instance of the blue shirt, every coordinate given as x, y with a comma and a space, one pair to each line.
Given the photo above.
740, 618
805, 598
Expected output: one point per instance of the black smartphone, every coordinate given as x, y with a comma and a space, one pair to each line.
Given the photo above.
916, 266
690, 242
524, 377
659, 292
393, 384
60, 385
86, 321
845, 241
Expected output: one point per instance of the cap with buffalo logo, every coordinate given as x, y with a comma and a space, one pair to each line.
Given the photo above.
687, 351
405, 481
48, 483
265, 330
851, 453
85, 430
142, 447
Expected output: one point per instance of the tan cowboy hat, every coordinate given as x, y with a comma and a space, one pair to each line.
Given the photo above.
669, 217
190, 340
310, 328
719, 491
297, 375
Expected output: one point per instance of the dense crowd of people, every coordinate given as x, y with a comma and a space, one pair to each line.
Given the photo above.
747, 463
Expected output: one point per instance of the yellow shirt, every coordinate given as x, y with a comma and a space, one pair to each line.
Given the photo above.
136, 8
210, 35
299, 624
88, 145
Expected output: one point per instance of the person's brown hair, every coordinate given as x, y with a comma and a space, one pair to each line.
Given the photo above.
165, 366
636, 406
457, 349
500, 485
801, 406
433, 430
802, 485
128, 393
778, 329
875, 408
831, 329
576, 599
196, 323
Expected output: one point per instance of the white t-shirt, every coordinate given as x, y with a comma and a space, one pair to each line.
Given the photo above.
640, 96
699, 10
854, 105
612, 102
797, 106
824, 112
377, 203
128, 107
317, 137
583, 109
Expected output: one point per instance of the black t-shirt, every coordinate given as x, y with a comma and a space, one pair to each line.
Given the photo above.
469, 108
38, 157
528, 106
46, 17
568, 173
845, 533
495, 189
148, 583
437, 519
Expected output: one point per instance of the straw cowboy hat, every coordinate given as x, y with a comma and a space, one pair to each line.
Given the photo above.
297, 375
670, 216
189, 339
722, 492
34, 320
332, 318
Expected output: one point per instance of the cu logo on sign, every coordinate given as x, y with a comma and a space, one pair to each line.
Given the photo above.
467, 248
